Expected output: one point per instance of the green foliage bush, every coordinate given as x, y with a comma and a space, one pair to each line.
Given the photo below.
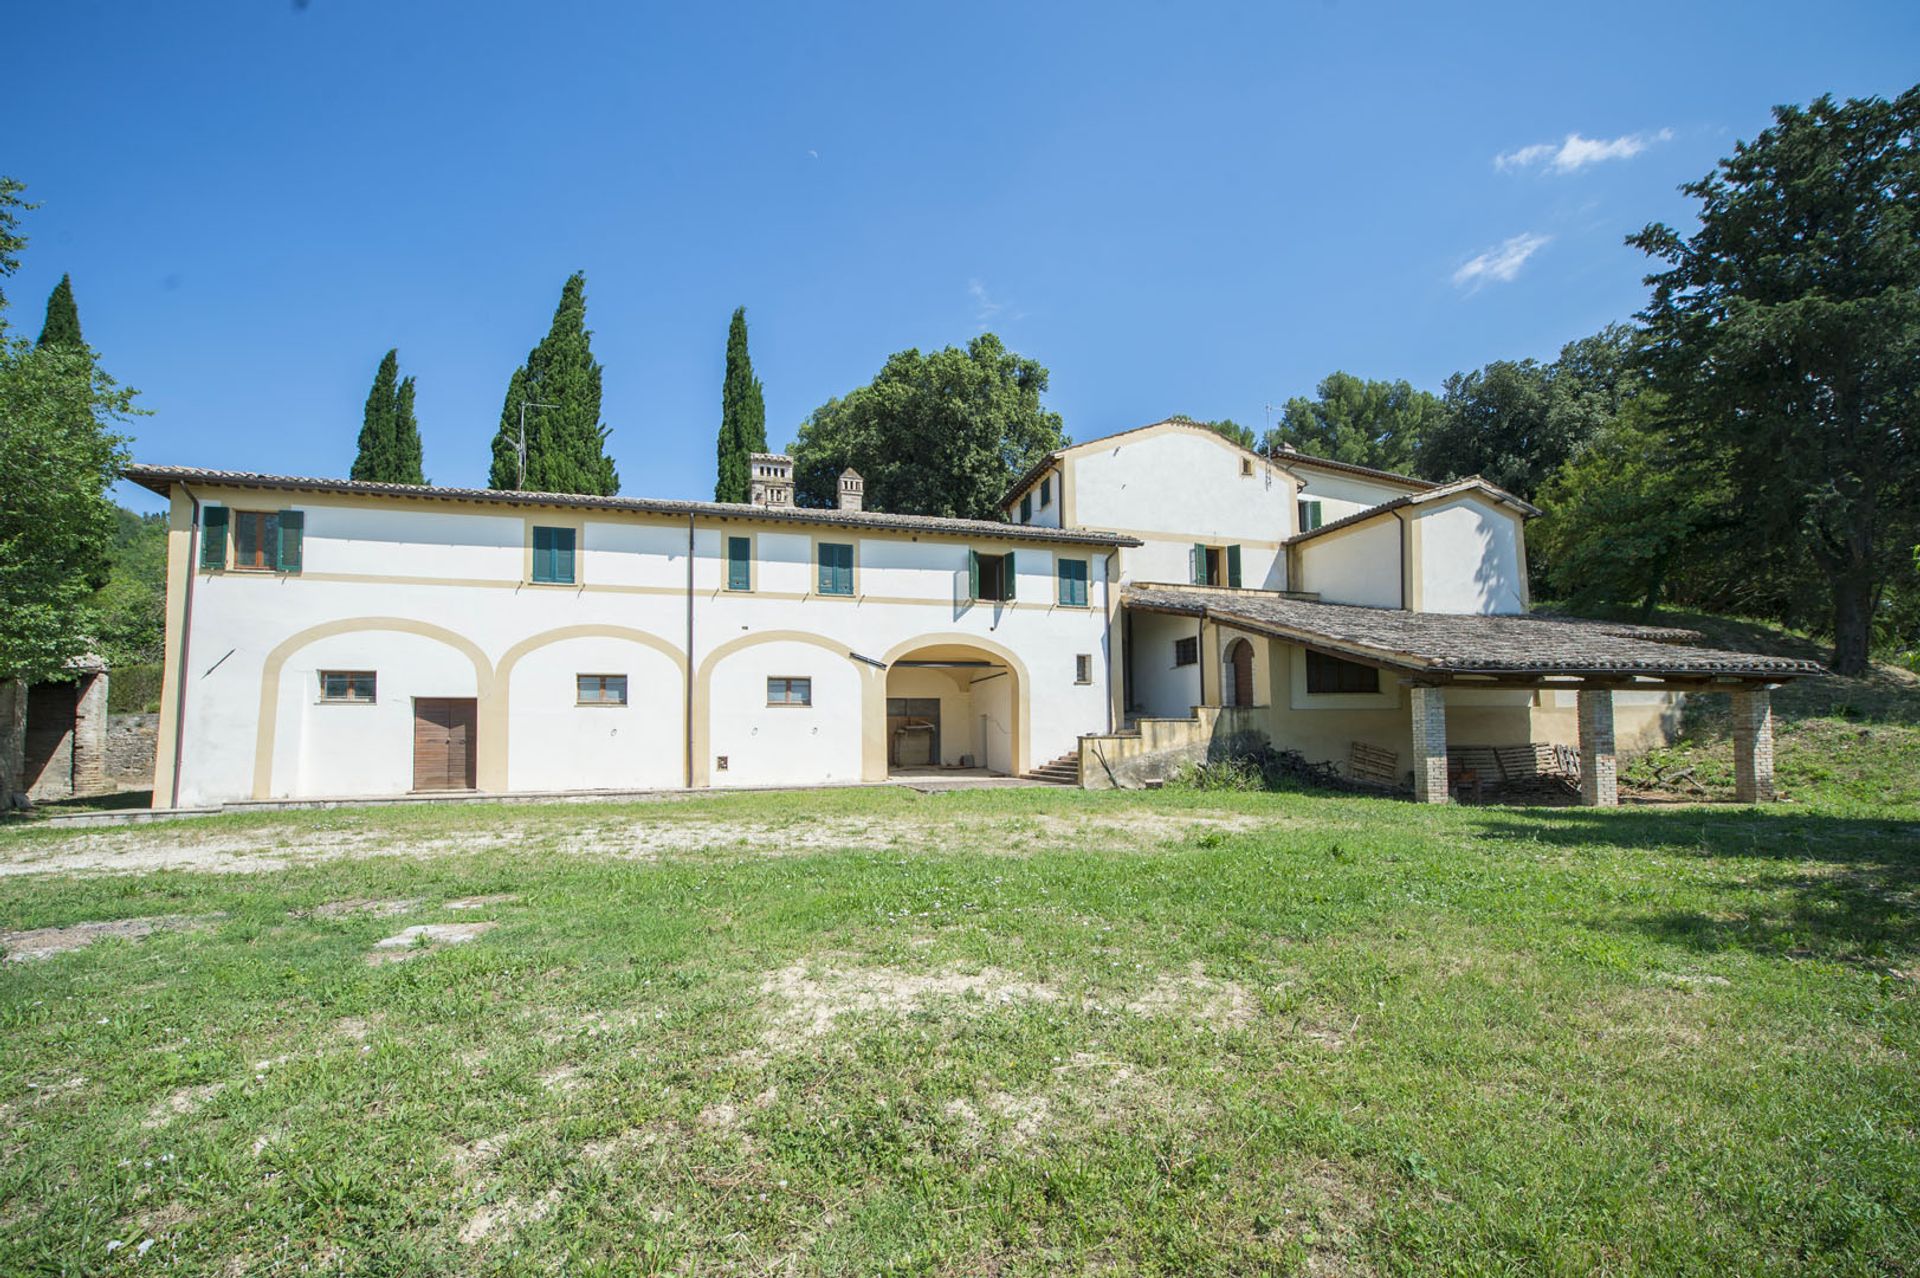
134, 689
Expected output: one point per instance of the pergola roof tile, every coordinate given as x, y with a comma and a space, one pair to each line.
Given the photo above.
1447, 644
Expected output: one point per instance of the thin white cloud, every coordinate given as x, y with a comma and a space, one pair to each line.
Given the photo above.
1577, 153
985, 309
1500, 263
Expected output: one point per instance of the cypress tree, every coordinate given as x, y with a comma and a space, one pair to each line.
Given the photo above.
408, 458
63, 317
743, 415
375, 459
566, 443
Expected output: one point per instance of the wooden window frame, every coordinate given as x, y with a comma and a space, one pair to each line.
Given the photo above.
1328, 675
372, 678
733, 540
820, 568
791, 684
1061, 581
602, 701
573, 555
1007, 571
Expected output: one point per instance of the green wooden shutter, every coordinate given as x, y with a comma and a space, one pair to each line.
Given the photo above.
1006, 566
542, 553
1233, 566
973, 574
825, 584
1199, 564
739, 563
293, 530
846, 570
563, 555
213, 537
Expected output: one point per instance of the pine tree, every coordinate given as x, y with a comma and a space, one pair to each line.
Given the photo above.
63, 317
409, 460
743, 415
375, 459
566, 443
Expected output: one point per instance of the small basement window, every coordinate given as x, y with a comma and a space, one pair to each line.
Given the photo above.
1083, 667
785, 691
1331, 674
347, 687
600, 690
1186, 652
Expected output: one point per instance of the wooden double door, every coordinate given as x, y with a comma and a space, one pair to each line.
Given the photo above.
444, 730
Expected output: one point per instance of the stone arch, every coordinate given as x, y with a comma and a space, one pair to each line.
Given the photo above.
876, 723
267, 723
495, 710
871, 732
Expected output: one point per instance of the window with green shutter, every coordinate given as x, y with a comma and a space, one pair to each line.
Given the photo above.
1026, 508
836, 568
1046, 492
213, 537
1072, 574
1233, 566
990, 577
256, 540
739, 563
293, 538
553, 556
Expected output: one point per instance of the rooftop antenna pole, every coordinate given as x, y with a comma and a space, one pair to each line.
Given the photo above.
521, 448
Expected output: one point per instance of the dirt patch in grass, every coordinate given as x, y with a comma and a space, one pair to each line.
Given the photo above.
811, 1000
1197, 996
379, 909
425, 938
507, 1216
45, 942
181, 1102
480, 902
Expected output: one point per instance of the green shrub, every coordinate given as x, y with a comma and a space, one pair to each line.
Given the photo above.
134, 689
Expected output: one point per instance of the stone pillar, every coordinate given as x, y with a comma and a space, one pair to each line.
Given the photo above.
90, 734
1599, 769
1429, 708
1753, 745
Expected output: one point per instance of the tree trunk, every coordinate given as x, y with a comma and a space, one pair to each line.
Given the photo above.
13, 744
1852, 624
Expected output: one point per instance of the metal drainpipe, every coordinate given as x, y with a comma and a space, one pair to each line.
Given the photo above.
1401, 516
186, 643
688, 725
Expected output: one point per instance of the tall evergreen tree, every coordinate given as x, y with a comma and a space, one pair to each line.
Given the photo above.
566, 443
389, 436
62, 325
409, 460
743, 415
376, 423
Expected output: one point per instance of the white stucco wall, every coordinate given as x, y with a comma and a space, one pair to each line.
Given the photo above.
430, 597
1179, 487
1470, 558
1341, 495
1357, 565
1162, 689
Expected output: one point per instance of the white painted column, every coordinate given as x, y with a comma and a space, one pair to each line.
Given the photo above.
1753, 745
1599, 768
1429, 709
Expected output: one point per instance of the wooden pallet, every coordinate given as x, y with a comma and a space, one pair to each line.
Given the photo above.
1534, 767
1371, 763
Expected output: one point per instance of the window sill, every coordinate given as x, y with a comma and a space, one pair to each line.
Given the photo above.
344, 701
554, 585
600, 705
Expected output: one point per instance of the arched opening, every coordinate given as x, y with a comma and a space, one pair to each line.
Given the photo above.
952, 707
1238, 671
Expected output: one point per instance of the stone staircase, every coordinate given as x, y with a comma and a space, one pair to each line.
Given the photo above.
1064, 770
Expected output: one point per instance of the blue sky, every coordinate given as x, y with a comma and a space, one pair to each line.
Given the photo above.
1178, 208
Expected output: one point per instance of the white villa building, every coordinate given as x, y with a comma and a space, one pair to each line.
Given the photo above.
1153, 595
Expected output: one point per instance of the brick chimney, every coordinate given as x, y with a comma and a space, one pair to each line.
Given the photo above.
852, 490
771, 481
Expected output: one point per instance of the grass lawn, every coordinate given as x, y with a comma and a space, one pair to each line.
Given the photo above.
1017, 1031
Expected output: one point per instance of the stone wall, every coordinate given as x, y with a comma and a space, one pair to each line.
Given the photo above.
130, 745
1158, 748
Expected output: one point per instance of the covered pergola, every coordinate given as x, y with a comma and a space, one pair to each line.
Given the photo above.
1431, 652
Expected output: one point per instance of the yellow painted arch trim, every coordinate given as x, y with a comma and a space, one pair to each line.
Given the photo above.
268, 720
871, 738
494, 710
1022, 690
